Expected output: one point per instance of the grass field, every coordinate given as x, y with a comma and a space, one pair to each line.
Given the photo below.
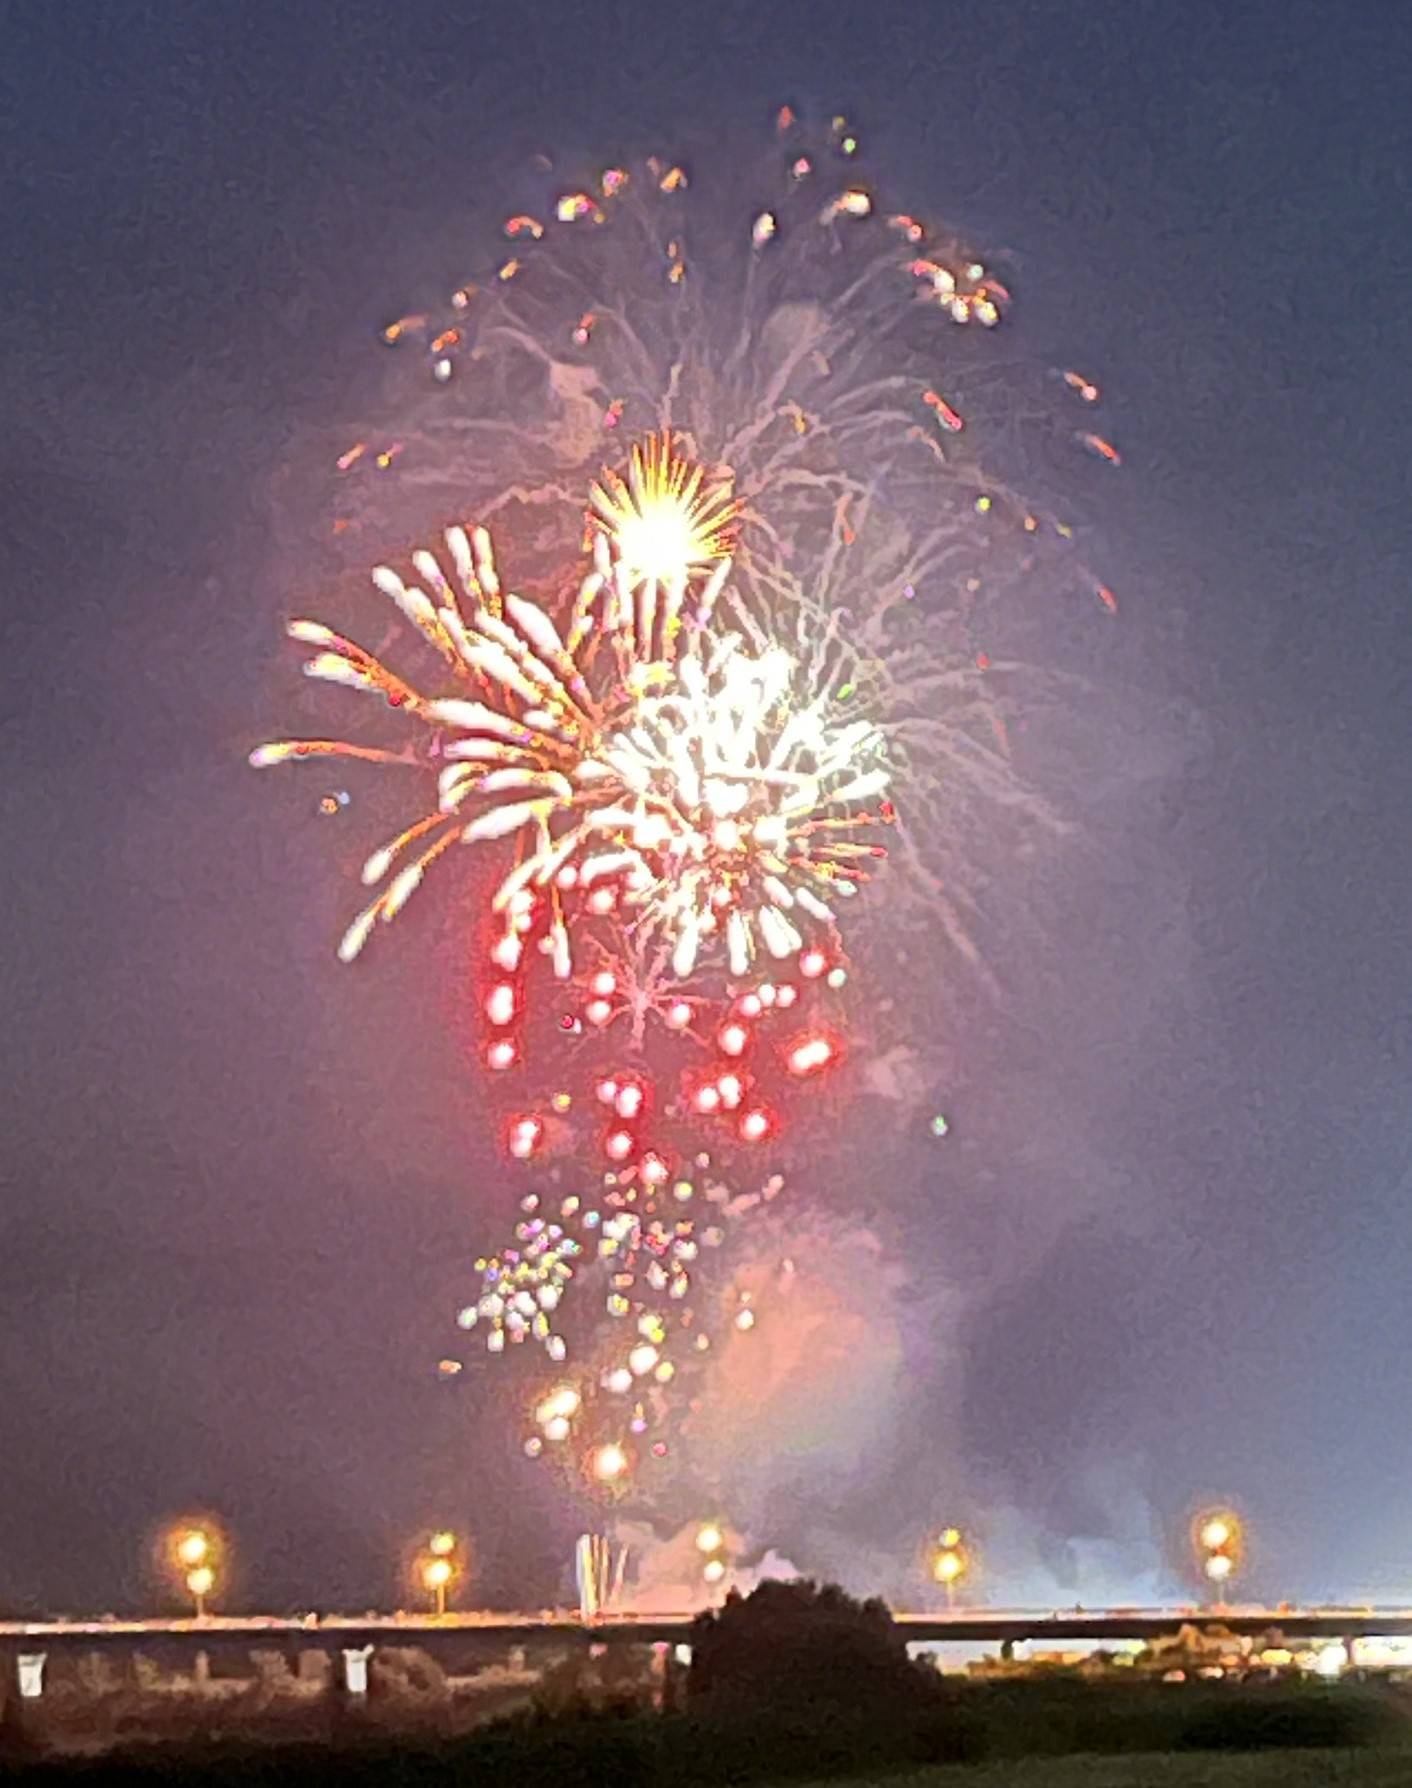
1251, 1769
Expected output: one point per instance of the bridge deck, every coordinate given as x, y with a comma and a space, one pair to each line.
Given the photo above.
962, 1627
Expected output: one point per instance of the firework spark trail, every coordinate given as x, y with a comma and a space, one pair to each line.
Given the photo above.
683, 739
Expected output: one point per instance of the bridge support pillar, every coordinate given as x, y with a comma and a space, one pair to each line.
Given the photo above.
355, 1668
30, 1669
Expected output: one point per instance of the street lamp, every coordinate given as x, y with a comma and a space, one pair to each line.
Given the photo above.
194, 1554
436, 1577
438, 1567
1218, 1539
949, 1562
713, 1546
200, 1582
193, 1549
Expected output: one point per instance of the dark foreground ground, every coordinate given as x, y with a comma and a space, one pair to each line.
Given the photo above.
1380, 1768
1029, 1732
1262, 1769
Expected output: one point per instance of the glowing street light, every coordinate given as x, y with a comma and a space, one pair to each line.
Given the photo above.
712, 1544
193, 1549
439, 1566
1219, 1540
193, 1553
200, 1582
949, 1562
436, 1578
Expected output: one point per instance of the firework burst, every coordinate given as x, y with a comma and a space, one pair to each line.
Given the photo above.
665, 521
788, 594
641, 760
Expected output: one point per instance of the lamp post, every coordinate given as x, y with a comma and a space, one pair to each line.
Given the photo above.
950, 1562
438, 1567
436, 1577
194, 1553
200, 1582
1218, 1538
713, 1546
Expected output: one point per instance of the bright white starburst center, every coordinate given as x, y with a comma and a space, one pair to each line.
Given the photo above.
721, 773
659, 545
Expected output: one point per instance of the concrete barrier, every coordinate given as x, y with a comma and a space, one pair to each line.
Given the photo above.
30, 1668
355, 1668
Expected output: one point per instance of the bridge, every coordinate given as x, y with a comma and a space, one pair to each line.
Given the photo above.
462, 1640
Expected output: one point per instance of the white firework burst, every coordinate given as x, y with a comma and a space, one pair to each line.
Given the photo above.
638, 754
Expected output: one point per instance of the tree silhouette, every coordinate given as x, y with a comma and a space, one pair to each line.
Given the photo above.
795, 1649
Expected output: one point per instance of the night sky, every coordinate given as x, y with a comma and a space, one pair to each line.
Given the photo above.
1169, 1257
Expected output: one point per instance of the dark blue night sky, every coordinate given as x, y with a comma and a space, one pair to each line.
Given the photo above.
233, 1181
